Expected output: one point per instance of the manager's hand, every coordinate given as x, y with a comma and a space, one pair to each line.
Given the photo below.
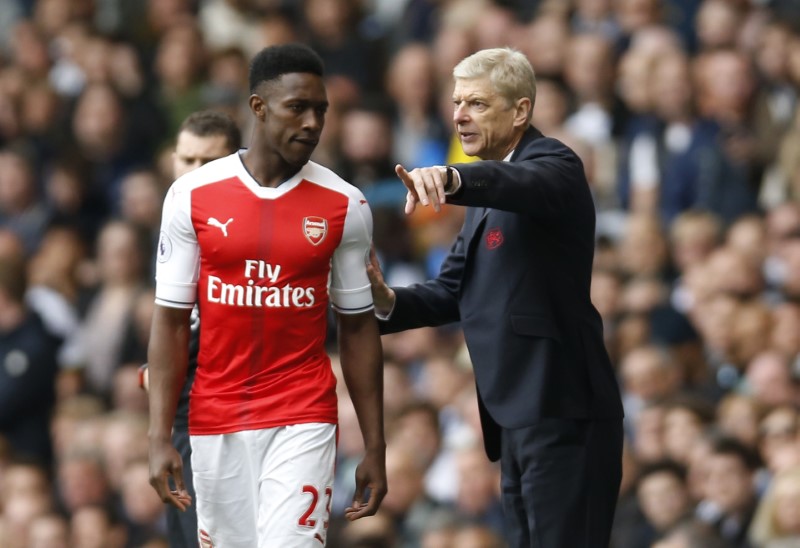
425, 186
382, 295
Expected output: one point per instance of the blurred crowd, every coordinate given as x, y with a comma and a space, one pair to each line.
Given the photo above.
685, 114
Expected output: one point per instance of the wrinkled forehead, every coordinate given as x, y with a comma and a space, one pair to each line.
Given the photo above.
481, 87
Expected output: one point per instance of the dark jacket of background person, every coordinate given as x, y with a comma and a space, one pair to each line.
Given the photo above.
28, 367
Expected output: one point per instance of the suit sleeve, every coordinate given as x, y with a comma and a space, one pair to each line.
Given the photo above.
431, 303
544, 181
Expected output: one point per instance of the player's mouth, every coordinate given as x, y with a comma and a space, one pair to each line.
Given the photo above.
466, 136
307, 141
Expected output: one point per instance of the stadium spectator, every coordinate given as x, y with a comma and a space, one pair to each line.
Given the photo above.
28, 353
730, 497
777, 520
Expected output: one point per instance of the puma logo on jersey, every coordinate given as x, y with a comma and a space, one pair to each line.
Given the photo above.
223, 227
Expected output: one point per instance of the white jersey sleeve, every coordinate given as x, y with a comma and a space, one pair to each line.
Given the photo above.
178, 254
350, 290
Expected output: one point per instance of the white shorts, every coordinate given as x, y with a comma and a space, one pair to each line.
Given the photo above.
267, 488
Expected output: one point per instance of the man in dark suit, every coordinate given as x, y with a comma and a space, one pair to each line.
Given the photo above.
517, 278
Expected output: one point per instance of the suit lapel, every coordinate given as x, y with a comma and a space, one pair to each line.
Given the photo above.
478, 219
479, 214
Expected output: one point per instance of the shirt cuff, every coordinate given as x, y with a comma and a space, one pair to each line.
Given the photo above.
388, 315
456, 182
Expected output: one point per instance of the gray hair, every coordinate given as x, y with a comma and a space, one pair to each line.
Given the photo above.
508, 70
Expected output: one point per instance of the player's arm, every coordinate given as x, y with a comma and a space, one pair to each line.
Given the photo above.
167, 357
360, 352
167, 353
362, 364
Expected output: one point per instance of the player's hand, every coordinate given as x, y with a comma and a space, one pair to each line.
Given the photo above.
425, 186
370, 474
165, 462
382, 295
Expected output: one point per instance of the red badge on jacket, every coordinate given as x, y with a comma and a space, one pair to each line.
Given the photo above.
494, 238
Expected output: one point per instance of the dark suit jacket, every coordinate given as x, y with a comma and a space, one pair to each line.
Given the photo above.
517, 278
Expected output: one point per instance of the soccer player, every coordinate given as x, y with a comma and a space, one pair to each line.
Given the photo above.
262, 240
203, 136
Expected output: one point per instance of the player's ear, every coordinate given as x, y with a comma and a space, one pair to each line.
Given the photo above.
257, 106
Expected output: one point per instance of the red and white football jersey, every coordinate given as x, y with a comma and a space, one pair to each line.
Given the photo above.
262, 264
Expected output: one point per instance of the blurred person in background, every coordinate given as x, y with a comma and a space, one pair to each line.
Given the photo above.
29, 354
738, 416
121, 266
663, 499
142, 509
748, 236
406, 501
718, 24
690, 534
25, 495
785, 336
477, 536
416, 425
770, 380
778, 433
418, 135
730, 496
647, 435
81, 479
96, 526
776, 523
49, 531
649, 374
366, 145
588, 70
545, 44
21, 207
179, 62
737, 172
686, 419
478, 500
106, 140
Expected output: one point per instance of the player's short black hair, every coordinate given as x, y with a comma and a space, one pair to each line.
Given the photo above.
207, 123
274, 61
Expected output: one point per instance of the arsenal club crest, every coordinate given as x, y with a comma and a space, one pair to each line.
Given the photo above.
315, 229
494, 238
